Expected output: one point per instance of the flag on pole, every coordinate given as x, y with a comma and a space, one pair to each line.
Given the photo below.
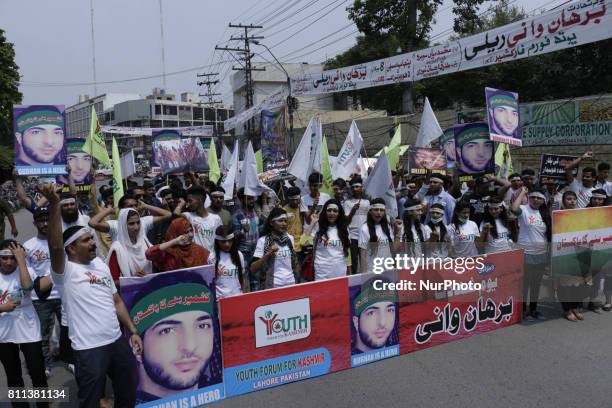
226, 157
328, 180
252, 185
259, 161
380, 185
503, 165
346, 162
393, 151
307, 157
128, 166
117, 180
94, 144
214, 173
430, 129
230, 176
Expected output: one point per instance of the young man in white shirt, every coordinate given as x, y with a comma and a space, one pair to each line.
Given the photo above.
313, 202
585, 188
94, 311
204, 222
603, 171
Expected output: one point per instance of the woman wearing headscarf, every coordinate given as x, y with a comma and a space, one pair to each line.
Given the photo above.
178, 251
274, 259
126, 256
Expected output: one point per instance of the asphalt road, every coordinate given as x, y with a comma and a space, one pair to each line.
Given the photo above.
553, 363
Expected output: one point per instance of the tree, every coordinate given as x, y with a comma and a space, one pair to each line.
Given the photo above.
9, 90
410, 22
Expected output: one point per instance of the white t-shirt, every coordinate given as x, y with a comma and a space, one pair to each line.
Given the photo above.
501, 243
22, 324
583, 193
39, 261
464, 239
437, 249
283, 271
146, 224
308, 201
87, 296
380, 249
329, 261
204, 229
414, 249
607, 186
532, 231
360, 217
228, 283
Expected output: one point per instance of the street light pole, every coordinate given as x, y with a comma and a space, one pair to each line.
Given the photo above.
290, 99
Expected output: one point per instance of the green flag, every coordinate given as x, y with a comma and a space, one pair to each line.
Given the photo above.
214, 172
259, 161
328, 179
117, 180
393, 150
94, 144
504, 164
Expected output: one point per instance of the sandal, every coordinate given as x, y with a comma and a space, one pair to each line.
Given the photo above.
578, 315
571, 317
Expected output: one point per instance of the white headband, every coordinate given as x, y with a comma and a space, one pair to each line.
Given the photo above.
356, 185
332, 206
217, 194
161, 191
436, 179
295, 197
76, 236
411, 185
597, 195
378, 207
6, 252
220, 238
538, 195
516, 178
67, 201
495, 205
280, 217
414, 207
436, 210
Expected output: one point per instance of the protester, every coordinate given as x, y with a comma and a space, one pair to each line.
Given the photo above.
179, 249
217, 198
314, 200
414, 234
356, 209
439, 240
246, 225
433, 192
464, 233
331, 242
230, 268
603, 171
340, 188
584, 188
495, 228
534, 234
274, 259
94, 311
19, 324
375, 237
126, 256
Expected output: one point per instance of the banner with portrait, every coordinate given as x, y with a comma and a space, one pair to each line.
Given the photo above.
175, 154
39, 140
474, 150
80, 166
170, 310
273, 147
424, 159
447, 142
504, 116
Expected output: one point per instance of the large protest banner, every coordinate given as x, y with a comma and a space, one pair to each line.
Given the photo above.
284, 335
273, 147
39, 132
80, 166
581, 241
176, 315
203, 131
273, 101
424, 159
553, 166
474, 151
175, 154
448, 314
569, 25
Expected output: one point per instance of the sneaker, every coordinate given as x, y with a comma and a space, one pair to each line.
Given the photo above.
48, 372
71, 368
607, 307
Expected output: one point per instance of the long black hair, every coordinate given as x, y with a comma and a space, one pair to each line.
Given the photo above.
224, 231
503, 217
341, 224
268, 228
408, 220
433, 226
461, 205
384, 224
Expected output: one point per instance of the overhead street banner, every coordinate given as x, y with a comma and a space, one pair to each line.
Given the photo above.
273, 101
206, 131
575, 24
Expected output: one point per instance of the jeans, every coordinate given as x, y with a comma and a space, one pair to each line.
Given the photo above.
354, 256
35, 362
47, 310
93, 365
253, 277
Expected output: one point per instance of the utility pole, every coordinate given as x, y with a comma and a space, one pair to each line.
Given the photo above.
248, 68
209, 83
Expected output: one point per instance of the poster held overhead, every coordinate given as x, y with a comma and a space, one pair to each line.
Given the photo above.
422, 159
475, 151
504, 116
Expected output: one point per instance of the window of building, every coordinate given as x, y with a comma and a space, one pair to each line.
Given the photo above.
221, 114
156, 123
209, 114
158, 109
198, 114
184, 112
170, 123
170, 110
185, 123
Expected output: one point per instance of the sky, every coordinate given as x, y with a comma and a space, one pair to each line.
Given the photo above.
53, 41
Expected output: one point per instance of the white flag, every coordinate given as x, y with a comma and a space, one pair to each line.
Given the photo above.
230, 176
346, 162
226, 157
380, 185
127, 164
430, 129
307, 157
252, 185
